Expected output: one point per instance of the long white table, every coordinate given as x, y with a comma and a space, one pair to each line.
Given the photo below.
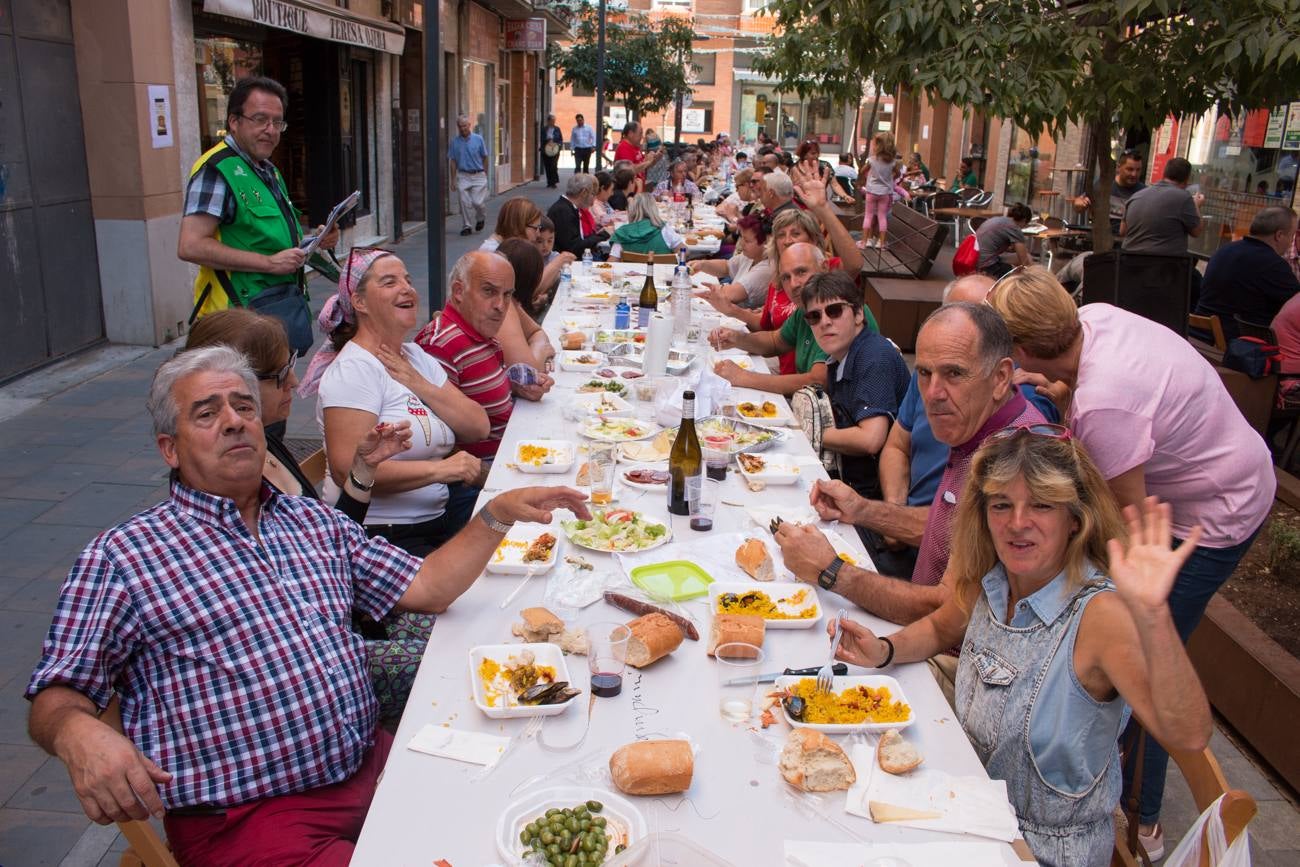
427, 808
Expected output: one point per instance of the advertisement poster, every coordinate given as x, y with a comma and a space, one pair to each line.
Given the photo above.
160, 116
1291, 138
1276, 123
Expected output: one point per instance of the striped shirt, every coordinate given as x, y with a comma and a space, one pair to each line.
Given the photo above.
476, 365
234, 656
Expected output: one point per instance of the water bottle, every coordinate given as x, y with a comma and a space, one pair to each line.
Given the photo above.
587, 261
622, 313
681, 303
566, 282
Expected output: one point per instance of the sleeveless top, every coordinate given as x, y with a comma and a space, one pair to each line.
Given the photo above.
1034, 725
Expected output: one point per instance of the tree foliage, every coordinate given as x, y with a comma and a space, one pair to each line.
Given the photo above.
645, 61
1047, 63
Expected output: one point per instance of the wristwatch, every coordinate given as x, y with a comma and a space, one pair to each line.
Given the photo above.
828, 576
488, 518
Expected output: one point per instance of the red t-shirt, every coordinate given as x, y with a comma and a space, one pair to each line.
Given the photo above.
777, 309
628, 151
475, 365
586, 222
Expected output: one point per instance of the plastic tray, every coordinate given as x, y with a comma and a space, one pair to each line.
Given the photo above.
843, 682
528, 807
677, 580
774, 590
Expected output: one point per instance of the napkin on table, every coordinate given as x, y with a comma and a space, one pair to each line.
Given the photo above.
463, 746
970, 805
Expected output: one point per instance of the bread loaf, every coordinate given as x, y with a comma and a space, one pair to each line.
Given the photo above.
754, 558
573, 339
653, 767
654, 636
539, 625
895, 755
815, 763
731, 628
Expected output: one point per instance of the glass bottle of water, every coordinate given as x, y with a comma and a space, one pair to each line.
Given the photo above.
681, 303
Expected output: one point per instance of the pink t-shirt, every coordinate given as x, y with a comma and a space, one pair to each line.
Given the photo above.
1286, 325
1145, 396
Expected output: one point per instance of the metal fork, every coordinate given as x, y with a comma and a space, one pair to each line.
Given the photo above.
825, 675
533, 727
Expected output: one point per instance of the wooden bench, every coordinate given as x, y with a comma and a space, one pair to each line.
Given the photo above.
914, 241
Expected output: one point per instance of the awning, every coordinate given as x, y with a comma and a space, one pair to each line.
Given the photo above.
315, 20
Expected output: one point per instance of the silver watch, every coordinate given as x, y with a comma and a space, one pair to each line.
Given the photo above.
488, 518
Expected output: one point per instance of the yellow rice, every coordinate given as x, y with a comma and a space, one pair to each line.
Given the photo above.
854, 705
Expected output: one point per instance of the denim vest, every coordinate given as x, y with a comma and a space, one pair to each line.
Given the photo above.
1001, 705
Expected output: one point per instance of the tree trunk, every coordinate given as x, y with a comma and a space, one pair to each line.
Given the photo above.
871, 119
1099, 191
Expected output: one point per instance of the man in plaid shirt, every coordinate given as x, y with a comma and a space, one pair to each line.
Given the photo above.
221, 620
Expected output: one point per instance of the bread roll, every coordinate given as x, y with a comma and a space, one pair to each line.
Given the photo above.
728, 628
573, 340
895, 755
754, 558
815, 763
539, 625
653, 767
654, 636
584, 475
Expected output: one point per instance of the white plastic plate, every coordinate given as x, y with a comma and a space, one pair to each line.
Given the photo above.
543, 654
620, 816
875, 681
559, 457
508, 558
582, 359
776, 591
777, 469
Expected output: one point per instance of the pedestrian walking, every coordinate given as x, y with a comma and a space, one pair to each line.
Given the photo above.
469, 154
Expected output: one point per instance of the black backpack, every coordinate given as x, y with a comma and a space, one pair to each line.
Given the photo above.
1252, 356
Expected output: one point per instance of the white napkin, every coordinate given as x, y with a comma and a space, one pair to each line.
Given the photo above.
474, 747
808, 853
970, 805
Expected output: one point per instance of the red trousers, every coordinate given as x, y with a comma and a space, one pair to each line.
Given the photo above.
317, 827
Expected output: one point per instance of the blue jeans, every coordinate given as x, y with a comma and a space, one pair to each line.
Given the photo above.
1201, 577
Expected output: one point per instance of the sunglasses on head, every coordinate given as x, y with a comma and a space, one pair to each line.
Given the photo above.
834, 310
1037, 429
281, 376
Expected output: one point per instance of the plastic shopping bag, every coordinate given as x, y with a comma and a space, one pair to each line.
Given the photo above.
967, 256
1209, 829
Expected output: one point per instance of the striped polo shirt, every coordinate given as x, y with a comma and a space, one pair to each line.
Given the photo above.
476, 365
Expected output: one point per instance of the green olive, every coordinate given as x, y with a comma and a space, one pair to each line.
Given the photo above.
598, 822
619, 848
553, 849
595, 806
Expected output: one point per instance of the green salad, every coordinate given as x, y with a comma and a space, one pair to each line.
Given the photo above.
616, 530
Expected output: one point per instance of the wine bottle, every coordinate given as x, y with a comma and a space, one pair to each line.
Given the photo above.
685, 461
649, 301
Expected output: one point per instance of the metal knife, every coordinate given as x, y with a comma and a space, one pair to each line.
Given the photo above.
838, 668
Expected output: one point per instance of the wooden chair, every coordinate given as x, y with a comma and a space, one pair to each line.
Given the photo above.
147, 849
642, 258
1205, 778
314, 468
1210, 325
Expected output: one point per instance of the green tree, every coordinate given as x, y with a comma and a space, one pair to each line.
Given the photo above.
1103, 64
645, 61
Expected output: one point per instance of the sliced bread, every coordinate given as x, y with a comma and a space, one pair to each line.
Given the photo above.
815, 763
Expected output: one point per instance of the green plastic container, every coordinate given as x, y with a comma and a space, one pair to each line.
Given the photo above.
677, 580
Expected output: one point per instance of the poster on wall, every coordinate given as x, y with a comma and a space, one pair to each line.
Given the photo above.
1256, 126
1291, 138
160, 116
693, 120
1276, 123
1163, 148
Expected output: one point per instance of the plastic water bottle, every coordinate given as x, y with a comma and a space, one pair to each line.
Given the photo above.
681, 303
587, 261
566, 282
622, 313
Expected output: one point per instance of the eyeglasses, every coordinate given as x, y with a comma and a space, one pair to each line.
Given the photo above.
1038, 429
536, 227
281, 376
834, 310
262, 121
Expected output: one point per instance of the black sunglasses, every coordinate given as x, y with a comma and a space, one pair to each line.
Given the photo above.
834, 310
281, 376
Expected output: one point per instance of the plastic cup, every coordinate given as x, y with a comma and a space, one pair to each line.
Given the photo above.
703, 505
607, 657
602, 458
738, 666
715, 463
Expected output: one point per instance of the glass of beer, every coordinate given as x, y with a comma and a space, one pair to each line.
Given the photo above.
603, 459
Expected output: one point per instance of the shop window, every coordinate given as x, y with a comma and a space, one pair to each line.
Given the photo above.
755, 5
697, 118
706, 68
221, 61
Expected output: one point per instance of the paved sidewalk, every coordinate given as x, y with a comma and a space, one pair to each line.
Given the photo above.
80, 458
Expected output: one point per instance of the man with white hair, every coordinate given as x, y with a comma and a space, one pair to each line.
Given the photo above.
221, 619
776, 193
469, 154
576, 231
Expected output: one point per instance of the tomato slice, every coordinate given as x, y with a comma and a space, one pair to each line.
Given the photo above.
618, 516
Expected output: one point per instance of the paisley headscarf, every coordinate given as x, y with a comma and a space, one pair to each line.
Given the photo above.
337, 311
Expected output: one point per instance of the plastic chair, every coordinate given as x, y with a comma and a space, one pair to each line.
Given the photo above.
969, 193
147, 849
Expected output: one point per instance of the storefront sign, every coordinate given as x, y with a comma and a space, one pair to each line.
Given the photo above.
308, 19
1276, 123
1291, 138
693, 120
526, 35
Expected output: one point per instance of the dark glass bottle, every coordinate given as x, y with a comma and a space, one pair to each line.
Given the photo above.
649, 301
685, 461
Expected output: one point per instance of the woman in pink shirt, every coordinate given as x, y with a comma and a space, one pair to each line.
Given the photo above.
1157, 420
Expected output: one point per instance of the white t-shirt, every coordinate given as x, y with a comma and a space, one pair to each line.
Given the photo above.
357, 380
754, 276
844, 170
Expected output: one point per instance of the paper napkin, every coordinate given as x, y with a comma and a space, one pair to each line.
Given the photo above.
474, 747
808, 853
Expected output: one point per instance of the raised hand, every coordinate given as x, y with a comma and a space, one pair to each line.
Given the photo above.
1144, 569
400, 368
383, 441
534, 505
813, 193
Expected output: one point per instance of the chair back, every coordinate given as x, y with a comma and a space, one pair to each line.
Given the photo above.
314, 468
642, 258
146, 849
945, 200
969, 193
1212, 326
976, 222
1054, 223
1247, 328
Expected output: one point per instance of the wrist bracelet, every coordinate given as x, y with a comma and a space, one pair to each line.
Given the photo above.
488, 518
890, 656
356, 483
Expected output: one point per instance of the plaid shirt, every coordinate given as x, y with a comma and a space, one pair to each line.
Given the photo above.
234, 658
208, 193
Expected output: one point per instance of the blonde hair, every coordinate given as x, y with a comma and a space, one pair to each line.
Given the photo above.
1040, 314
1056, 471
806, 221
883, 147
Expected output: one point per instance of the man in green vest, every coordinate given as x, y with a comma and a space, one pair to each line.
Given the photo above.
239, 226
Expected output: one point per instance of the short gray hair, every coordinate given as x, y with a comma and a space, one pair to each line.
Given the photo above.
1272, 220
462, 118
780, 184
994, 337
644, 207
579, 185
208, 359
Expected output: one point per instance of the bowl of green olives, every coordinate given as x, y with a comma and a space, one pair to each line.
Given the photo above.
568, 826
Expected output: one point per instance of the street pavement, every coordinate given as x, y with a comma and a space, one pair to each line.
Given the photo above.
79, 457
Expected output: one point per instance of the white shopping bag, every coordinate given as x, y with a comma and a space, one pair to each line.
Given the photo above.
1209, 827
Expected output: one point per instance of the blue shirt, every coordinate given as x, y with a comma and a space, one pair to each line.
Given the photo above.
582, 137
870, 381
469, 153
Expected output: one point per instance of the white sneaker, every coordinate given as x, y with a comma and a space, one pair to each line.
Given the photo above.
1153, 843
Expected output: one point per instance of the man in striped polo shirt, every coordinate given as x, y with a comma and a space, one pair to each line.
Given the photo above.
463, 339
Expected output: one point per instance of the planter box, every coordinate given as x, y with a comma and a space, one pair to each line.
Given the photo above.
1253, 682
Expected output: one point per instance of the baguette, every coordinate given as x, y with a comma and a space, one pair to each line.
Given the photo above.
653, 767
654, 636
882, 812
754, 558
736, 628
895, 755
538, 625
814, 763
636, 606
